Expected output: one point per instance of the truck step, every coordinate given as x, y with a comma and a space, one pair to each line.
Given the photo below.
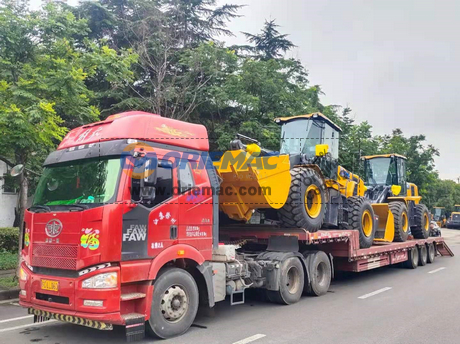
132, 296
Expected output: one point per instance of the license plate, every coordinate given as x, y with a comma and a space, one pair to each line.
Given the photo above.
50, 285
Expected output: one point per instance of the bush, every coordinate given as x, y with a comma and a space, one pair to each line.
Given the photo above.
9, 239
8, 260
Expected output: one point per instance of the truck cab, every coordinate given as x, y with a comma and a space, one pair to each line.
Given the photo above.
113, 204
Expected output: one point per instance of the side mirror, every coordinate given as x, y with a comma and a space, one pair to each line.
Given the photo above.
17, 170
149, 173
321, 150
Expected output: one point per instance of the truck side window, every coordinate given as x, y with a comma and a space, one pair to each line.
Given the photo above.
185, 177
163, 187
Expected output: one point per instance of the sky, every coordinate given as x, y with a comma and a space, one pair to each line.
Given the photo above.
396, 63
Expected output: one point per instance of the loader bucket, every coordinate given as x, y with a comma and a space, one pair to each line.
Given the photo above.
250, 182
386, 225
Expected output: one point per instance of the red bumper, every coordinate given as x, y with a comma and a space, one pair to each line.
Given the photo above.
68, 299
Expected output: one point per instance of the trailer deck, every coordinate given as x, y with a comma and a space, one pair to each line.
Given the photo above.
343, 245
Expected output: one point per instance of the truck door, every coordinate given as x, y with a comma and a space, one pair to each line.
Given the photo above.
147, 227
195, 206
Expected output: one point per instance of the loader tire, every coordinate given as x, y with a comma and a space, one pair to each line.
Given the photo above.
361, 218
421, 229
401, 221
292, 279
305, 206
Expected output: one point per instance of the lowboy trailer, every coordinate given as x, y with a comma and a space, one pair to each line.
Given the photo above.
111, 241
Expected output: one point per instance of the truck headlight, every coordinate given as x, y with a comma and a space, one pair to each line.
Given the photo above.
23, 275
101, 281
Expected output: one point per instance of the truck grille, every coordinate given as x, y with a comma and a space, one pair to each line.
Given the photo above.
55, 256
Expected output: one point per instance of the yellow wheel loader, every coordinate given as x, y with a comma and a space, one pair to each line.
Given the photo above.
454, 219
438, 214
395, 201
302, 187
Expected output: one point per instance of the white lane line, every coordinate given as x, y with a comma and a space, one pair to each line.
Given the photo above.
374, 293
250, 339
27, 325
436, 270
8, 301
19, 318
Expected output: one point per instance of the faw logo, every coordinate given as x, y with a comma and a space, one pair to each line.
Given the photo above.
53, 228
135, 233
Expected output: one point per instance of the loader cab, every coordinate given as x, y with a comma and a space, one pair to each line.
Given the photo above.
302, 135
439, 213
385, 176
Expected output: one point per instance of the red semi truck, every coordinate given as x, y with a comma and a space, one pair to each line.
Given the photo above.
115, 235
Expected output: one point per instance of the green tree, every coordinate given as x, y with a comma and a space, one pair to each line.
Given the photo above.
269, 44
46, 64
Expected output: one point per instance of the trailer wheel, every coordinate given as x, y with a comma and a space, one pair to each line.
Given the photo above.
423, 255
291, 283
412, 261
174, 304
305, 206
401, 220
319, 268
431, 252
361, 218
421, 229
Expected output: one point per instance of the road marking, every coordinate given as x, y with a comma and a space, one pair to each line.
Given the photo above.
27, 325
374, 293
19, 318
250, 339
436, 270
8, 301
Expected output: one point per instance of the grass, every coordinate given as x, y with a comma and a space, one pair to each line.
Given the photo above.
8, 260
8, 282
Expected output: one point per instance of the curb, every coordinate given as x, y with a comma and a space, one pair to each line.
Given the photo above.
9, 294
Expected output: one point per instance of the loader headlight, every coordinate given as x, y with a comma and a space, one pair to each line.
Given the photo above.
101, 281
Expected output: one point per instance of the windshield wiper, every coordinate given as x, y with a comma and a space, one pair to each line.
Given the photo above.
42, 207
81, 206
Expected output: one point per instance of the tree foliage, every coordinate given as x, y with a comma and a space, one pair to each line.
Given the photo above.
64, 66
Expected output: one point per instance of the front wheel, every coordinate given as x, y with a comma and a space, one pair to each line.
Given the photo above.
401, 221
421, 229
305, 206
361, 218
174, 304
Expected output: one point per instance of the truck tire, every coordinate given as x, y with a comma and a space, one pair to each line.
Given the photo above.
291, 283
319, 269
401, 221
412, 261
422, 255
421, 229
305, 206
431, 253
361, 218
174, 304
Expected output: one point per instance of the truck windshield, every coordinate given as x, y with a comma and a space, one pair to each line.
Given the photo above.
378, 171
78, 182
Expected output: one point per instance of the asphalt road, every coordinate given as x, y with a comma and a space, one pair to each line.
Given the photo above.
386, 305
